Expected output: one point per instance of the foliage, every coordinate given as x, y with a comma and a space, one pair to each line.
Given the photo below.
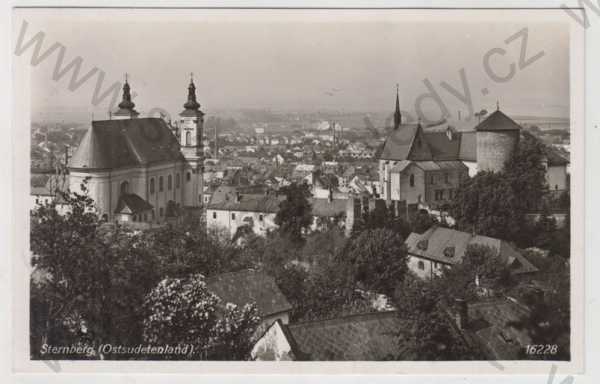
294, 215
430, 337
377, 259
184, 311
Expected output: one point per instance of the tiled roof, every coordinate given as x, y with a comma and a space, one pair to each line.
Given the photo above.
246, 203
249, 286
133, 203
362, 337
491, 322
498, 121
441, 147
468, 146
111, 144
324, 208
397, 145
555, 158
435, 243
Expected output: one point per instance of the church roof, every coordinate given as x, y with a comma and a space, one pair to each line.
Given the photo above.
398, 144
498, 121
132, 204
111, 144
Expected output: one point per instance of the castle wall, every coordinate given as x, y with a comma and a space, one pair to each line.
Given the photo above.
495, 148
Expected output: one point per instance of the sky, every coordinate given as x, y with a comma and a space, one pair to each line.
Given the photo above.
300, 61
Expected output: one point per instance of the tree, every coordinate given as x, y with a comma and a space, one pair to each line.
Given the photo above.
377, 259
184, 311
428, 334
480, 264
294, 215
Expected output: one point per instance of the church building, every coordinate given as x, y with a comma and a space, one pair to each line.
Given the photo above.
142, 169
426, 165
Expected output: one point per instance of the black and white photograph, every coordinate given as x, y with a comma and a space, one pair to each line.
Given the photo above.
300, 185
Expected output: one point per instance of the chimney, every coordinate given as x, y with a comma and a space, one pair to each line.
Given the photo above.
462, 313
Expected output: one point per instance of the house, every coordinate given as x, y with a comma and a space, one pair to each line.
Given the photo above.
439, 248
492, 326
370, 336
250, 286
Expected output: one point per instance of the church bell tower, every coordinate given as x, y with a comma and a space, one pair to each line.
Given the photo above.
191, 125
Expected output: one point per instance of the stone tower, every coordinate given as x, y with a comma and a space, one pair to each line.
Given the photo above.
497, 139
190, 137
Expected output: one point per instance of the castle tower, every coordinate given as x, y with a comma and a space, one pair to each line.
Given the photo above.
126, 106
190, 138
397, 114
497, 139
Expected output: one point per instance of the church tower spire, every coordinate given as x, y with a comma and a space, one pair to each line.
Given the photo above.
190, 139
126, 106
397, 114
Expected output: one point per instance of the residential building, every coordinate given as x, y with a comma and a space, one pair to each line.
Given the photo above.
438, 248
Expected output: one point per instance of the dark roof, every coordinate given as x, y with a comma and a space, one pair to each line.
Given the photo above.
492, 324
398, 144
324, 208
246, 202
133, 203
249, 286
468, 146
554, 157
498, 121
440, 240
111, 144
371, 336
441, 147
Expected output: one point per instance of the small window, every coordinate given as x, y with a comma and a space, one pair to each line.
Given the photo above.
214, 215
421, 265
124, 187
145, 217
152, 185
412, 180
177, 180
432, 179
260, 217
161, 183
169, 182
188, 138
188, 176
446, 178
233, 216
161, 212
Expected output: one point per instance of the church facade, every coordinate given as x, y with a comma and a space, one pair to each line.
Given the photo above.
142, 169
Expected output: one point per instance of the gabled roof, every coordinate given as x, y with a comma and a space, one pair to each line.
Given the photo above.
324, 208
448, 246
249, 286
111, 144
130, 203
554, 157
442, 148
398, 144
370, 336
498, 121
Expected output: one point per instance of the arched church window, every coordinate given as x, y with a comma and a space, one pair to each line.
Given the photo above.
152, 185
412, 180
177, 180
124, 187
161, 184
169, 182
188, 138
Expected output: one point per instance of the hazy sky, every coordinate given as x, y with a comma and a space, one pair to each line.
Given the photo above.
304, 63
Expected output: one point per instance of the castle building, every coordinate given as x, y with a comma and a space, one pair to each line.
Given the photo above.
426, 165
137, 169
